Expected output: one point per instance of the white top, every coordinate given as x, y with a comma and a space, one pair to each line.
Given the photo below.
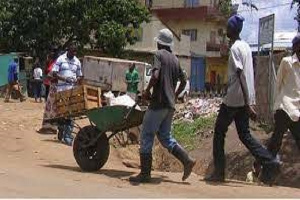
37, 73
240, 58
67, 68
287, 91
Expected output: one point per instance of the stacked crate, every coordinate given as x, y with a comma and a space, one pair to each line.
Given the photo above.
75, 102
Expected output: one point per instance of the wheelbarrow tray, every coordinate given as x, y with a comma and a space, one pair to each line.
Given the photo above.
115, 118
91, 145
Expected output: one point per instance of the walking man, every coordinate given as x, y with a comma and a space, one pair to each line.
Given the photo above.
67, 69
132, 80
158, 118
238, 105
13, 81
287, 99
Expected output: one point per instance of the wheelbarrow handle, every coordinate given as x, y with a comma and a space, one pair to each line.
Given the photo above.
129, 112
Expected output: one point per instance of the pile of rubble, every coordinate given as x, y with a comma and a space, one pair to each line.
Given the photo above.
196, 108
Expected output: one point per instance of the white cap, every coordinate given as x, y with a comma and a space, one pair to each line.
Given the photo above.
165, 37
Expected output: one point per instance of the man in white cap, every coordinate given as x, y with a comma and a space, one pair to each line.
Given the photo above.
158, 118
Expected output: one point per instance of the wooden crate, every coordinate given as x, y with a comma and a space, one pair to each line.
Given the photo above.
76, 101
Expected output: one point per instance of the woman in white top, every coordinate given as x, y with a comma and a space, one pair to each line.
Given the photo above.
37, 80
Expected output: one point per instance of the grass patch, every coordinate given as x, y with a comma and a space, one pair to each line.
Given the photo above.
189, 134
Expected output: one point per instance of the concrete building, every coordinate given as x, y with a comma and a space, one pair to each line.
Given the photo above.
202, 22
147, 45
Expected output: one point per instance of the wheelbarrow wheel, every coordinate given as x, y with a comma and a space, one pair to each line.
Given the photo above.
90, 157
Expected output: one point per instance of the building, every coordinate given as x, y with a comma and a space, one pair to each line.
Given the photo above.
202, 22
146, 44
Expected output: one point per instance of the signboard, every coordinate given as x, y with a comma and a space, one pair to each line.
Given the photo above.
266, 36
266, 30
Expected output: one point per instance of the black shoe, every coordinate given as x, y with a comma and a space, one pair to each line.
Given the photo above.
60, 133
270, 172
145, 175
141, 178
185, 159
215, 177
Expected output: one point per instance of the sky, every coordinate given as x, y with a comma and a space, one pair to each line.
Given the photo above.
284, 16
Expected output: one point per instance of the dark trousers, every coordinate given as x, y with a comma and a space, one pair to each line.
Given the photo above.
239, 115
282, 123
47, 88
37, 89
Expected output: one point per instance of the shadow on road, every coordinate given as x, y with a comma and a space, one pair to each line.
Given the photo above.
68, 168
107, 172
52, 141
120, 174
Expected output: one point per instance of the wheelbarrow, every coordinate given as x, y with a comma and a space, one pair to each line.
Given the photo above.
91, 145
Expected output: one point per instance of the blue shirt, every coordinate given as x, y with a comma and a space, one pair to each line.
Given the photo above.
12, 72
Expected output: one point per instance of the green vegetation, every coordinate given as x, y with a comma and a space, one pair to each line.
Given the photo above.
32, 26
189, 134
225, 6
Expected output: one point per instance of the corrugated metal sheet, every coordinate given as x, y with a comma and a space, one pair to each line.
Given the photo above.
5, 59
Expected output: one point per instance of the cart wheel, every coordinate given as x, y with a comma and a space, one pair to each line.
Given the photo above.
90, 158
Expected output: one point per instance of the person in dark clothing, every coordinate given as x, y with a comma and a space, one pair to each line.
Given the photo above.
238, 106
37, 80
13, 81
158, 118
53, 55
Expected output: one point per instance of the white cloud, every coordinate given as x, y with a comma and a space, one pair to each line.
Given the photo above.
284, 17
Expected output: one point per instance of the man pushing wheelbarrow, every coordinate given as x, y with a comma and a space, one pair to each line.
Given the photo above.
158, 118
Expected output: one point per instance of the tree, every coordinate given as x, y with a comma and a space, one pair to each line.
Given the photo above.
34, 25
225, 7
297, 17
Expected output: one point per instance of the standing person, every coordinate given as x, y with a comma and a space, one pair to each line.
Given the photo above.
50, 84
67, 70
287, 100
132, 80
238, 104
158, 118
13, 81
49, 65
37, 80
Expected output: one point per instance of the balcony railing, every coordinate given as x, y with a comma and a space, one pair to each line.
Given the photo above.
167, 4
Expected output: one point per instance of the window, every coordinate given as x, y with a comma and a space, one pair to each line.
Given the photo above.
191, 3
192, 33
213, 37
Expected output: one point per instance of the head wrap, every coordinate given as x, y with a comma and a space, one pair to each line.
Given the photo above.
296, 39
235, 22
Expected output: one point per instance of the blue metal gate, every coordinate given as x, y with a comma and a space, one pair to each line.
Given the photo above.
198, 74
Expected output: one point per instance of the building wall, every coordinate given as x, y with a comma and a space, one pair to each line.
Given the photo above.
182, 47
150, 31
185, 63
204, 29
219, 66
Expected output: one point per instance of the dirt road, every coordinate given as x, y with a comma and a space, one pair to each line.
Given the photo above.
37, 166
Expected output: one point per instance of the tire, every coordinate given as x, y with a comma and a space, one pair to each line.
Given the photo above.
92, 158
